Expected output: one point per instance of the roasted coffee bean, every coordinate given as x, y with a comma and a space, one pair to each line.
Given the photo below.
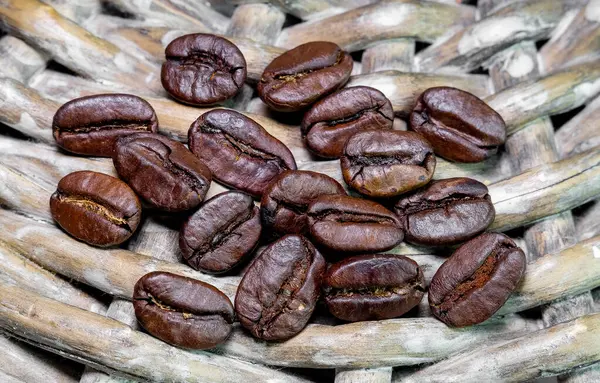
301, 76
96, 208
203, 69
221, 233
285, 201
373, 287
476, 280
386, 163
182, 311
239, 152
348, 224
446, 212
329, 124
91, 125
161, 171
280, 289
460, 126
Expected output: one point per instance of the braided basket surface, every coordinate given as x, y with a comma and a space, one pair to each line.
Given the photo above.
65, 305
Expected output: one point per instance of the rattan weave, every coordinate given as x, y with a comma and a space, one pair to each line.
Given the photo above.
537, 62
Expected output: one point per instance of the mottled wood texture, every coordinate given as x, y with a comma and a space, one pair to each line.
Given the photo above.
469, 47
310, 9
552, 94
190, 14
22, 363
77, 10
382, 20
578, 40
395, 54
367, 375
561, 348
581, 132
114, 347
19, 60
76, 48
261, 22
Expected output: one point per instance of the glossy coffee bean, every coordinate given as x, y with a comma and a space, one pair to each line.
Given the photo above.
280, 289
328, 125
373, 287
476, 280
446, 212
96, 208
459, 126
221, 233
161, 171
285, 201
386, 163
203, 69
91, 125
301, 76
238, 151
182, 311
348, 224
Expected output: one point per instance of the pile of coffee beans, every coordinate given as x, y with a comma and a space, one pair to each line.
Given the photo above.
321, 242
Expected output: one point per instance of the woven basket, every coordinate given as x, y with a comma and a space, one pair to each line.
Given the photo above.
536, 62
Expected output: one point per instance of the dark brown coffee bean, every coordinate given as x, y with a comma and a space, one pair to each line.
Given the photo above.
280, 289
221, 233
203, 69
238, 151
182, 311
373, 287
161, 171
343, 223
460, 126
285, 201
329, 124
446, 212
386, 163
301, 76
476, 280
96, 208
91, 125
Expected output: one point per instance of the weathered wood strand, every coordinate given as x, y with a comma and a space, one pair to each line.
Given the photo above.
113, 346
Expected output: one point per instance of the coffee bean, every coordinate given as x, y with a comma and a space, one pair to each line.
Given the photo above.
91, 125
221, 233
460, 126
182, 311
386, 163
301, 76
329, 124
279, 291
476, 280
446, 212
373, 287
96, 208
285, 201
203, 69
161, 171
238, 151
348, 224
